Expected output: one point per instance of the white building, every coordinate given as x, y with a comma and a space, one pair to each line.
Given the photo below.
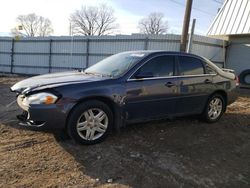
232, 24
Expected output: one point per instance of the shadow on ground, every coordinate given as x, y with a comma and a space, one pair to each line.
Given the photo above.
183, 152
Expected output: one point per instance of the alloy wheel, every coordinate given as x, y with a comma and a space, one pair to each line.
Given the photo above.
92, 124
215, 108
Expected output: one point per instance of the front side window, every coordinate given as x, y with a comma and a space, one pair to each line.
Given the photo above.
190, 66
162, 66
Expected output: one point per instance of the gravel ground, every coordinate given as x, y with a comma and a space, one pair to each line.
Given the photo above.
183, 152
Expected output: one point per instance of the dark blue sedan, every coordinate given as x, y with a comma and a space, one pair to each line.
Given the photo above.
126, 87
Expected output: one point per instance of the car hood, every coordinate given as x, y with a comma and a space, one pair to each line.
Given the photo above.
53, 80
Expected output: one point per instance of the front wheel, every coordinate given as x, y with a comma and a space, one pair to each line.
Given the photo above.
214, 109
90, 122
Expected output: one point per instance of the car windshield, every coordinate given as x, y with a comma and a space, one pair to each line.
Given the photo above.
115, 65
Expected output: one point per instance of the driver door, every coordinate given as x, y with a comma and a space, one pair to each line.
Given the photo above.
154, 95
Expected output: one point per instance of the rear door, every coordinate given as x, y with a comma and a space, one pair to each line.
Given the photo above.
195, 85
154, 96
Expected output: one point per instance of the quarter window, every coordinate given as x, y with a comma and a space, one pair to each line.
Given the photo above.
209, 70
190, 66
161, 66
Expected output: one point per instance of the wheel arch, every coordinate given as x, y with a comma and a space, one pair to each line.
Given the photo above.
223, 94
106, 100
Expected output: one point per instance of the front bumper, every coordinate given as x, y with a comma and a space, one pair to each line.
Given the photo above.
42, 116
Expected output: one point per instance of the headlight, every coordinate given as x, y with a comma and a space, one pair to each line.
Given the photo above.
40, 98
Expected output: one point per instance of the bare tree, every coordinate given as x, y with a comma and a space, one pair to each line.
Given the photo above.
93, 21
153, 24
32, 25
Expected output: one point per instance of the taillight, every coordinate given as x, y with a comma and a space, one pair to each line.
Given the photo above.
237, 80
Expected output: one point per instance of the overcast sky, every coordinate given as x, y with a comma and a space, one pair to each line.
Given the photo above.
128, 13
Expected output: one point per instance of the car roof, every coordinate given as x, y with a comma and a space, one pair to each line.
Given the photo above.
154, 52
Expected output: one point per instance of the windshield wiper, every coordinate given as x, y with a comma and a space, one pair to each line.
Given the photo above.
98, 74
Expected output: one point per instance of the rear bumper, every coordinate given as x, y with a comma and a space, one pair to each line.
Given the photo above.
232, 95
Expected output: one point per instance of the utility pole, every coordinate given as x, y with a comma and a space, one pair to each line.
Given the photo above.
190, 38
186, 25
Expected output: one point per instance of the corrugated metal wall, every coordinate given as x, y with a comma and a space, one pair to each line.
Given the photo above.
238, 53
53, 54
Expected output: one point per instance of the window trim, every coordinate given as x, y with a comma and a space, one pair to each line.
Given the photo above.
174, 68
169, 77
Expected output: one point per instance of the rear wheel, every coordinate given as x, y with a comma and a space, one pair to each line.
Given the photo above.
214, 109
90, 122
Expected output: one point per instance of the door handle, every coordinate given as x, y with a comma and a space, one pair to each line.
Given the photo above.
169, 84
207, 81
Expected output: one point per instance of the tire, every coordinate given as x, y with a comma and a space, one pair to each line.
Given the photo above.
243, 75
90, 122
209, 113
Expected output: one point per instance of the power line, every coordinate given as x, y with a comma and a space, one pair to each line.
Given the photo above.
177, 2
203, 11
218, 2
197, 9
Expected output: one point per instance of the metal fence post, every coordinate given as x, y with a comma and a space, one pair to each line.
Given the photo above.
12, 55
87, 53
146, 43
50, 53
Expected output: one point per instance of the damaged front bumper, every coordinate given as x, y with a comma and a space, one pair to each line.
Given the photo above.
42, 116
25, 121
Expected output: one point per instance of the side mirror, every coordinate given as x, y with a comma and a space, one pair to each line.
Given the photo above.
141, 75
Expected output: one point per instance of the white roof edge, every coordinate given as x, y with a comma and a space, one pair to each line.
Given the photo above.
216, 17
232, 19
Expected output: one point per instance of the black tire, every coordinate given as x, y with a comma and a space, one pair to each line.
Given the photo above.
242, 77
205, 114
78, 113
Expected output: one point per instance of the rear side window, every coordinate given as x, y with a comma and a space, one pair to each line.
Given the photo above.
161, 66
190, 66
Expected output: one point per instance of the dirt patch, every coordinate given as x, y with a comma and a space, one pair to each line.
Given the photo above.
180, 153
